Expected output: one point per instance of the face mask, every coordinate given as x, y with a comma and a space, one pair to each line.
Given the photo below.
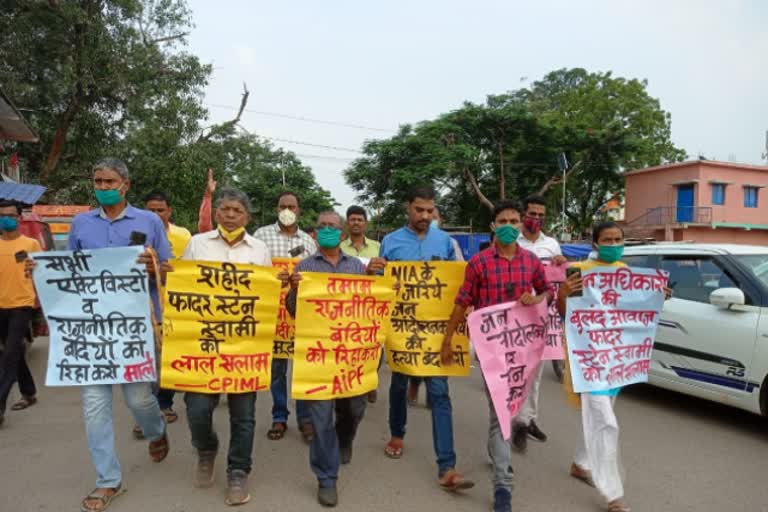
286, 217
532, 225
231, 236
507, 234
109, 197
328, 238
610, 253
8, 224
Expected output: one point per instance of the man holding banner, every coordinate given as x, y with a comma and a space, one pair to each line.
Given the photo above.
533, 240
500, 274
229, 243
286, 240
417, 241
332, 443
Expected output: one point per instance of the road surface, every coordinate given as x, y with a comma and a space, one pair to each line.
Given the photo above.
680, 454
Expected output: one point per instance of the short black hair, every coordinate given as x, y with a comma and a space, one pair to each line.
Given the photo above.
356, 210
533, 199
157, 195
7, 203
506, 204
421, 192
289, 193
599, 228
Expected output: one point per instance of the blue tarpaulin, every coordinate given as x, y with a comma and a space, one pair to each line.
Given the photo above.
576, 251
21, 192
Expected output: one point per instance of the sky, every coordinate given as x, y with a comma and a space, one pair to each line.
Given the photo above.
361, 69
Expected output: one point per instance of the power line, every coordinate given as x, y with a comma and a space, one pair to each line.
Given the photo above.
289, 141
302, 118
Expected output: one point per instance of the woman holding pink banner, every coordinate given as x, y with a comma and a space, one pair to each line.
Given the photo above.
597, 457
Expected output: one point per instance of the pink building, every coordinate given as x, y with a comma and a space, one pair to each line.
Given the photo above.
701, 200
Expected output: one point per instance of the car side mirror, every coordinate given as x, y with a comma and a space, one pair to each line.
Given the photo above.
727, 297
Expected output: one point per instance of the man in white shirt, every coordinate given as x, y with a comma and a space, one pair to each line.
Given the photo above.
544, 247
229, 243
286, 240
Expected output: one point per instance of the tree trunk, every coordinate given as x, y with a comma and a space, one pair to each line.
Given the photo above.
476, 189
59, 139
502, 174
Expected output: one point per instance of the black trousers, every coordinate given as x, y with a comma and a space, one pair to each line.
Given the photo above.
14, 324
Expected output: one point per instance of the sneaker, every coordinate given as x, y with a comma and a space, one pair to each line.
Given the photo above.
520, 438
502, 501
346, 454
237, 488
327, 496
535, 433
206, 461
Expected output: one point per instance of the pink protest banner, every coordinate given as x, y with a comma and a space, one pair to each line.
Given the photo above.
509, 340
612, 326
554, 347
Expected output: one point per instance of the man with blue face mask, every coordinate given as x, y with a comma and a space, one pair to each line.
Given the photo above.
17, 300
505, 272
332, 442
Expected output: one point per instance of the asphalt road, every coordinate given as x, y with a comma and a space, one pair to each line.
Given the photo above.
679, 453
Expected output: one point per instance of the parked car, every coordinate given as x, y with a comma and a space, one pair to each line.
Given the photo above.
712, 340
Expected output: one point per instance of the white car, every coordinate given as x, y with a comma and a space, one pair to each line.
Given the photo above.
712, 340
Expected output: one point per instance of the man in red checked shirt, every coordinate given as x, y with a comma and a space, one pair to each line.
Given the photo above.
505, 272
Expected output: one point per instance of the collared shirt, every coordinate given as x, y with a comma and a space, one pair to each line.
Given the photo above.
178, 238
405, 245
280, 245
16, 289
211, 246
370, 248
543, 247
491, 279
319, 263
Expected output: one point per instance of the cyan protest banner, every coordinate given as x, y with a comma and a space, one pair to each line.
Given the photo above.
97, 306
611, 328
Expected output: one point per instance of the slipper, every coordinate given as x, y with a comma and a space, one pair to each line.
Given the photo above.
277, 432
170, 415
394, 448
27, 401
137, 433
618, 506
103, 500
452, 481
582, 474
307, 432
158, 450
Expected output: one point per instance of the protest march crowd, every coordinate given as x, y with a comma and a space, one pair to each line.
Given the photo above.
140, 302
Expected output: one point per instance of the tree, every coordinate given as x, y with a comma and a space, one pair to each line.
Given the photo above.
508, 147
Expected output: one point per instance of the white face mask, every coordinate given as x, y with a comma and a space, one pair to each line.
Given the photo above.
287, 217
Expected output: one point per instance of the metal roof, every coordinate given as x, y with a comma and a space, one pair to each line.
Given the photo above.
21, 192
12, 123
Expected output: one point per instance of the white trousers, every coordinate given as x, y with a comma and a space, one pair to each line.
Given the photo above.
598, 449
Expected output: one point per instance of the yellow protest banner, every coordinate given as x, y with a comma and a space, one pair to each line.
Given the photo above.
286, 325
420, 316
341, 323
218, 324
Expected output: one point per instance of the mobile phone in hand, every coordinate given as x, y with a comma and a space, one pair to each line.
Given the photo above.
568, 273
138, 238
21, 256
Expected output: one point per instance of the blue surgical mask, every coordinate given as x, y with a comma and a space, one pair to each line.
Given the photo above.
507, 234
328, 237
8, 224
109, 197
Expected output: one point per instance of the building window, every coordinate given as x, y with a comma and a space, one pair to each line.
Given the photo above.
718, 194
750, 197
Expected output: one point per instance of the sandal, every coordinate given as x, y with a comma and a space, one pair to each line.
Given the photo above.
277, 432
584, 475
394, 448
618, 506
137, 433
103, 500
158, 450
307, 432
452, 481
27, 401
170, 415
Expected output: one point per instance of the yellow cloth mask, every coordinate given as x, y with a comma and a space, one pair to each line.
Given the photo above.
231, 236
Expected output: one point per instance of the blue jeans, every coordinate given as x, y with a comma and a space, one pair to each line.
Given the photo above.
442, 416
97, 410
242, 423
279, 389
324, 457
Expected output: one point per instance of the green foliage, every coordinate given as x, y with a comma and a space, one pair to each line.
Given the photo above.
114, 78
507, 147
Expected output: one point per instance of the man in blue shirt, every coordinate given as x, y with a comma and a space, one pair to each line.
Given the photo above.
118, 224
418, 242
